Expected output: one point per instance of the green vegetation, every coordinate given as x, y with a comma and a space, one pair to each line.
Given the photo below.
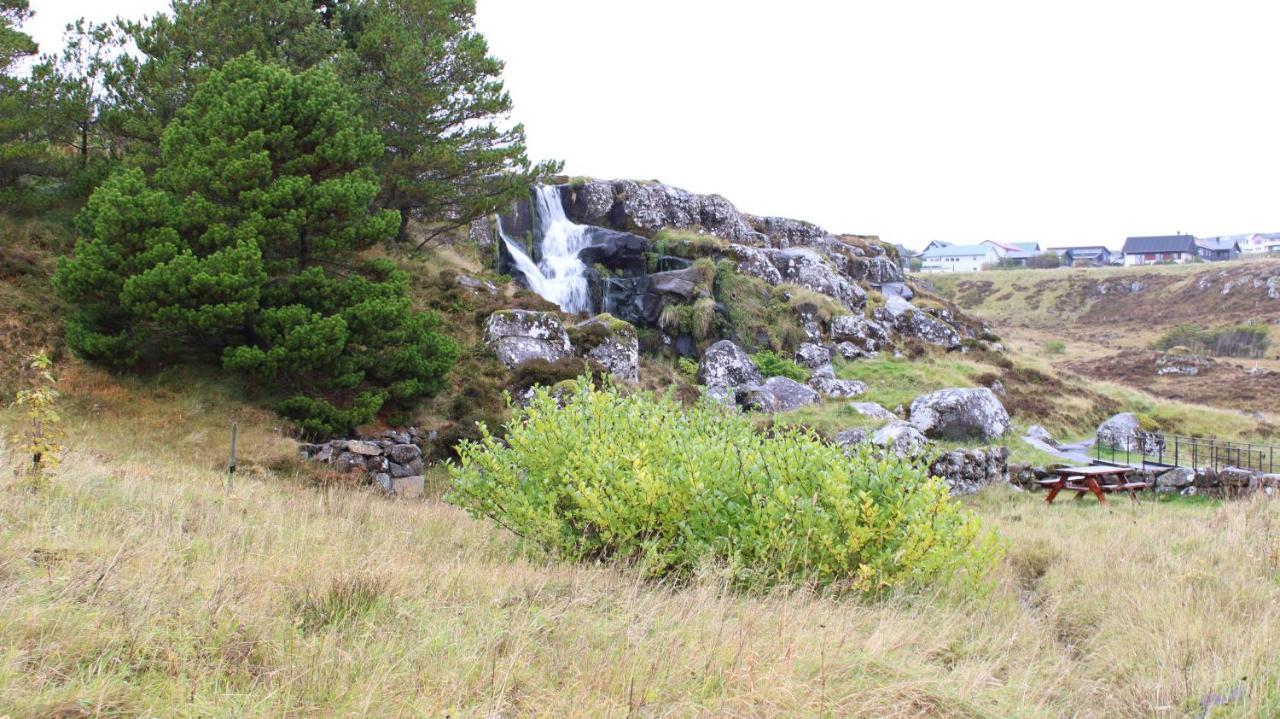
240, 250
893, 382
642, 481
688, 244
1055, 347
771, 364
1243, 340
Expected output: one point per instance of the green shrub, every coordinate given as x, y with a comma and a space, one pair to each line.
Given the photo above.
1243, 340
1055, 347
688, 367
640, 480
772, 365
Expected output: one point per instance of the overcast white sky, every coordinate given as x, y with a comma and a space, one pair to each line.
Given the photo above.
1067, 123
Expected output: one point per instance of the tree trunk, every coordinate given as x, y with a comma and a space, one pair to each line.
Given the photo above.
402, 234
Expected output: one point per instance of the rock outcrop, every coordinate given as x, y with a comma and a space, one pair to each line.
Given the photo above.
1121, 432
392, 460
611, 343
828, 386
960, 414
775, 394
872, 410
725, 367
518, 336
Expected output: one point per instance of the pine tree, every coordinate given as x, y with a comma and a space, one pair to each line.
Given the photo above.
242, 248
21, 151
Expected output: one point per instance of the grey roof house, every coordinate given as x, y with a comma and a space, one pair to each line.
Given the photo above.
1085, 255
1160, 248
1218, 249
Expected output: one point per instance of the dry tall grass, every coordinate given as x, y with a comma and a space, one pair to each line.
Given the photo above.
134, 586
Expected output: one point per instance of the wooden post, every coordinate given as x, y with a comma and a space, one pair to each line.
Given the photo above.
231, 459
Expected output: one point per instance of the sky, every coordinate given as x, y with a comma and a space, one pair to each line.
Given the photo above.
1063, 123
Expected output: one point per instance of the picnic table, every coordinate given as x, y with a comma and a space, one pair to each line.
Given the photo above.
1096, 479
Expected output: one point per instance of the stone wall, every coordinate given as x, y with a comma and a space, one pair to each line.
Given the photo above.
392, 460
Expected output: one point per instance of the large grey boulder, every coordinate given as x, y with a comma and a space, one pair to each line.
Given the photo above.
900, 438
852, 436
518, 336
1120, 432
815, 358
884, 270
1175, 480
1040, 434
611, 343
960, 414
725, 367
872, 410
776, 394
968, 470
828, 386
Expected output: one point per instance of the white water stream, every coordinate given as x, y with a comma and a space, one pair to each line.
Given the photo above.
560, 277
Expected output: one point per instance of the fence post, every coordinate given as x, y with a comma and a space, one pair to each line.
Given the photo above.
231, 458
1175, 451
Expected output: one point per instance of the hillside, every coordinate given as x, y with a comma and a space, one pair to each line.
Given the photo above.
134, 585
1101, 323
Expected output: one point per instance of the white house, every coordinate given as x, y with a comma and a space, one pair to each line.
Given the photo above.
958, 258
1177, 249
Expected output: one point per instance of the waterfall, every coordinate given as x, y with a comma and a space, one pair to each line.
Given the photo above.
560, 277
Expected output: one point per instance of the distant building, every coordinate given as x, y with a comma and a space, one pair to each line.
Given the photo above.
958, 258
1018, 253
1163, 248
1259, 242
1084, 256
935, 243
1218, 249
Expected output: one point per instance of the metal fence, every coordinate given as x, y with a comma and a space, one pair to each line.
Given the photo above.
1173, 450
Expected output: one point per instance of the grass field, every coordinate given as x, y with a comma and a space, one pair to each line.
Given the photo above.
134, 585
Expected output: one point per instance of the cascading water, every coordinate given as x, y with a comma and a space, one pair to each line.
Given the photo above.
560, 277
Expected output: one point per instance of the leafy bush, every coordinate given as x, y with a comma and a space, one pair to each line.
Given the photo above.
688, 367
640, 480
1243, 340
771, 364
1055, 347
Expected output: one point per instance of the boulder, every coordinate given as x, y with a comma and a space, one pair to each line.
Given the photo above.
755, 262
405, 487
863, 336
829, 386
681, 284
852, 436
1121, 432
776, 394
611, 343
815, 358
1041, 434
349, 462
960, 414
403, 453
897, 289
900, 438
968, 470
725, 367
883, 271
617, 251
478, 286
1175, 480
369, 449
1183, 364
872, 410
518, 336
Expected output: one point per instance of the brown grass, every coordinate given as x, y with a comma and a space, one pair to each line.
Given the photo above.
134, 585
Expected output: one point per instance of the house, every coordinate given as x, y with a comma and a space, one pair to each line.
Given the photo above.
1019, 253
935, 243
1218, 249
1177, 249
1084, 256
958, 258
1259, 242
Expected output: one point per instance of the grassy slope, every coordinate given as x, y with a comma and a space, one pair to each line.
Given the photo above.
134, 585
1031, 308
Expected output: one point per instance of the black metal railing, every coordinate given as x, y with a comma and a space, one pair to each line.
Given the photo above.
1173, 450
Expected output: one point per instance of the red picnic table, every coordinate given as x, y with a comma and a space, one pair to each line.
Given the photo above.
1096, 479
